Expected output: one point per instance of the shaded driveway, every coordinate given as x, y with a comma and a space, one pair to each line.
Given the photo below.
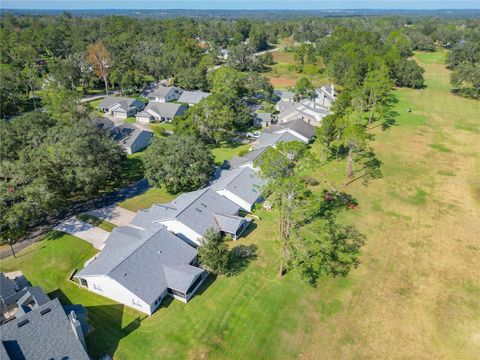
114, 214
84, 231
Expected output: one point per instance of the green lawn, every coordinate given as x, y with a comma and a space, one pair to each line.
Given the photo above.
147, 199
415, 294
131, 120
159, 129
228, 151
100, 223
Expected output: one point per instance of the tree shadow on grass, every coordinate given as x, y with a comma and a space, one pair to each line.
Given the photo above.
239, 257
106, 328
105, 323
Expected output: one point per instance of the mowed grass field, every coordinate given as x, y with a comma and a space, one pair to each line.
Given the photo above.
415, 295
282, 73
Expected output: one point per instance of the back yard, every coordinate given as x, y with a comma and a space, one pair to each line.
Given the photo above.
416, 294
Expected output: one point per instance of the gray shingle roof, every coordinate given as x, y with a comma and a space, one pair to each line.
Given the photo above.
299, 126
267, 139
146, 262
42, 334
169, 110
243, 182
126, 134
125, 103
8, 287
248, 158
195, 210
192, 97
162, 91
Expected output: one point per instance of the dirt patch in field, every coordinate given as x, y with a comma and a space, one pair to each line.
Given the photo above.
282, 82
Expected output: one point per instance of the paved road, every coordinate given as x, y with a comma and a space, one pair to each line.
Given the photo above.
114, 214
39, 232
84, 231
89, 98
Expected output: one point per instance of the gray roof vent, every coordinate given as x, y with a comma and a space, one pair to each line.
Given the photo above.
22, 323
45, 311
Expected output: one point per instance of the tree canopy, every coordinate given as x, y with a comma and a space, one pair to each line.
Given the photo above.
180, 163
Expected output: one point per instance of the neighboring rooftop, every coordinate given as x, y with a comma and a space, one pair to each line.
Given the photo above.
248, 158
43, 333
192, 97
123, 102
161, 91
267, 139
299, 126
168, 109
127, 133
195, 209
242, 182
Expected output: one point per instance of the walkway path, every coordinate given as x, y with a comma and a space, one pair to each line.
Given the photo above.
84, 231
39, 232
114, 214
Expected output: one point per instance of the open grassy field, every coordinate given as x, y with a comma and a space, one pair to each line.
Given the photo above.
415, 295
282, 73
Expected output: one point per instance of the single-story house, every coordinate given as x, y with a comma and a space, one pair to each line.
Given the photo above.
271, 139
307, 110
248, 159
43, 329
158, 111
191, 214
192, 97
263, 119
242, 185
120, 107
298, 128
131, 137
162, 93
139, 268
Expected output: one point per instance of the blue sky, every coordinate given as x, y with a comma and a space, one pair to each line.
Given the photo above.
240, 4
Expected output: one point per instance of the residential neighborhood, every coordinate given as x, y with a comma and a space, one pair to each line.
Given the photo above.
265, 181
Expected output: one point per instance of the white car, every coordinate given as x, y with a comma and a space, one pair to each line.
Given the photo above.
254, 134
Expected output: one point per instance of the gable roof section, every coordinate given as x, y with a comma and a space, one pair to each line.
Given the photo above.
122, 103
248, 158
243, 182
168, 109
162, 91
195, 210
193, 97
8, 287
43, 333
146, 262
126, 134
267, 139
298, 125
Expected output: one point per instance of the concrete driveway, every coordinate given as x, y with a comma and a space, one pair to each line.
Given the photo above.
114, 214
84, 231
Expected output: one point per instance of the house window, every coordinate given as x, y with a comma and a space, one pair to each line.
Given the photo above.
97, 287
137, 303
83, 282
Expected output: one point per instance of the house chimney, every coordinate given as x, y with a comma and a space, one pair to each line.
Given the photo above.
77, 327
